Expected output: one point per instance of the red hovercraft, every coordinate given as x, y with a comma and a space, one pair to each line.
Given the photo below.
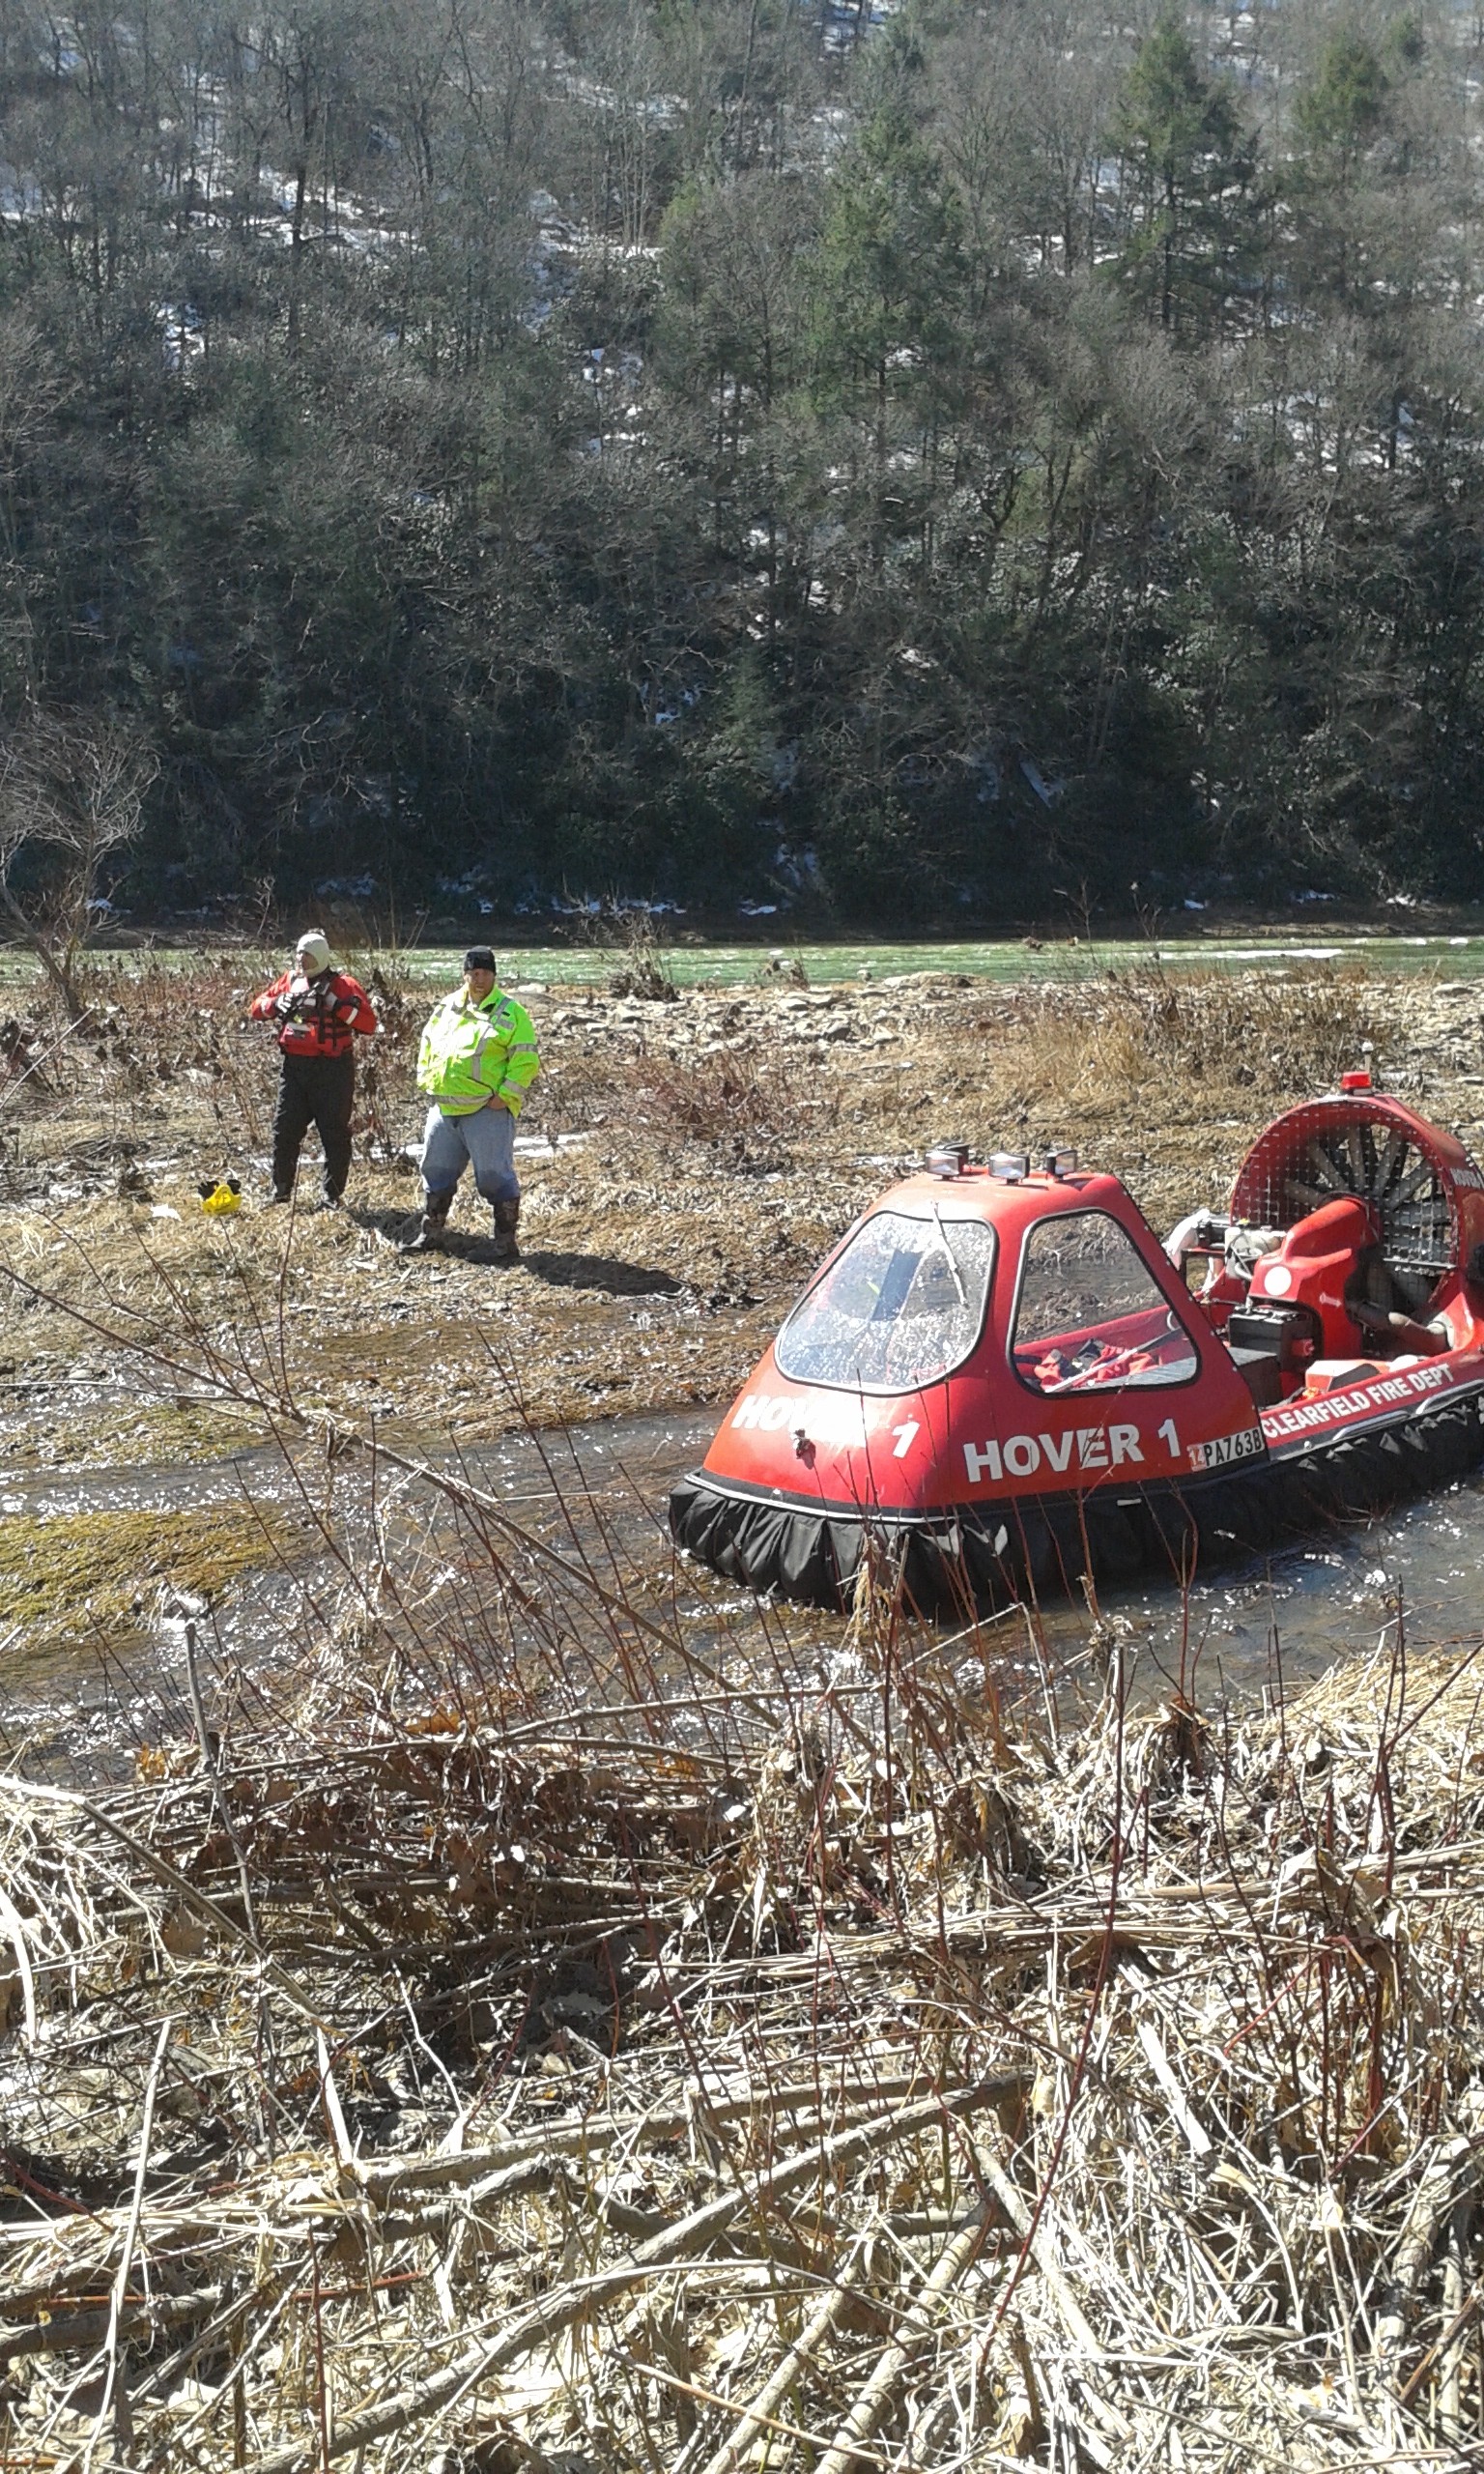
1002, 1375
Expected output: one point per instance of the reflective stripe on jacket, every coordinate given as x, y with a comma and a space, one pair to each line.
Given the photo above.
317, 1017
474, 1053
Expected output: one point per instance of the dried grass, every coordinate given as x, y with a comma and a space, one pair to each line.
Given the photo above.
720, 1142
520, 2037
1252, 1043
729, 1097
534, 2042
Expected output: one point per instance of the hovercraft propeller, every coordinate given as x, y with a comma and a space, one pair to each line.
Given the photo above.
1317, 1156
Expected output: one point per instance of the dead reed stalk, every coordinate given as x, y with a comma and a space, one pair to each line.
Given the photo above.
1167, 2121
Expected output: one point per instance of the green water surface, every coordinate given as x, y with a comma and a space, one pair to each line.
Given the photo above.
532, 966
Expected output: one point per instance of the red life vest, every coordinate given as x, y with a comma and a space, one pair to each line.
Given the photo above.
318, 1017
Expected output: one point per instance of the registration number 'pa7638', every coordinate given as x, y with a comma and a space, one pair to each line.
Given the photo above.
1224, 1448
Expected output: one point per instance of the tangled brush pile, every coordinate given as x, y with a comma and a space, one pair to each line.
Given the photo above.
848, 2085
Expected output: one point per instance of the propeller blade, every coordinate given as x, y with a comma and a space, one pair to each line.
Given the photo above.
1325, 1169
1423, 1177
1395, 1159
1349, 1161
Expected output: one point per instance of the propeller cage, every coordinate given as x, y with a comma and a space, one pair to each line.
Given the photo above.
1377, 1151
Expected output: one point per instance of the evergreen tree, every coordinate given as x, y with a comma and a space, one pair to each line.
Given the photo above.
1189, 165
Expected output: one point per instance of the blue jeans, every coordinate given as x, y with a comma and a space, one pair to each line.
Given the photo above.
487, 1139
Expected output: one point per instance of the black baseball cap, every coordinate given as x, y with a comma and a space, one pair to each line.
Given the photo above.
479, 957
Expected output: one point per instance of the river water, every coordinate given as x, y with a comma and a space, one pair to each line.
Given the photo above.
596, 1495
1007, 960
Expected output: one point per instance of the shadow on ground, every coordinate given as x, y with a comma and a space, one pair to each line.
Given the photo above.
559, 1270
600, 1270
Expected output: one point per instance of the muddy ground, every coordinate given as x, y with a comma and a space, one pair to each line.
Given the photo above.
621, 1879
686, 1159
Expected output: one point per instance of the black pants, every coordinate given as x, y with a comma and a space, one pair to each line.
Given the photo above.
314, 1090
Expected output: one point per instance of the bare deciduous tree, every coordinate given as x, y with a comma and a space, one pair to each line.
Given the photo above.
72, 803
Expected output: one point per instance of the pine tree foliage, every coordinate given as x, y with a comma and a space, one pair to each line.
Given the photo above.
752, 451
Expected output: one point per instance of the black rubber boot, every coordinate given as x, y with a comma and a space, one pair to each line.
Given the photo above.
507, 1217
433, 1224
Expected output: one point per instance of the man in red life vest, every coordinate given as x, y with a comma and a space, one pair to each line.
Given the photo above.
318, 1013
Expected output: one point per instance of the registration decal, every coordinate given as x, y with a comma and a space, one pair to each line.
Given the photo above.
1224, 1448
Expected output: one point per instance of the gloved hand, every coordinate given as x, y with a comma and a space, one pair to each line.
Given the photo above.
287, 1005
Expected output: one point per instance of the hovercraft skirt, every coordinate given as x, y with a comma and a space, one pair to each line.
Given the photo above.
992, 1555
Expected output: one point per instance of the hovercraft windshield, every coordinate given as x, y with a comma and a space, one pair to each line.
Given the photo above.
900, 1305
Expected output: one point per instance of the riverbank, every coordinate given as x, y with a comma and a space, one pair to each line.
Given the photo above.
496, 2000
826, 2074
687, 1159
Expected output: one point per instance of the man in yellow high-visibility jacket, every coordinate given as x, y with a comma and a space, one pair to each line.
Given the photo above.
477, 1063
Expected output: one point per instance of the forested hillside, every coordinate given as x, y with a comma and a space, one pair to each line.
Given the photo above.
741, 451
